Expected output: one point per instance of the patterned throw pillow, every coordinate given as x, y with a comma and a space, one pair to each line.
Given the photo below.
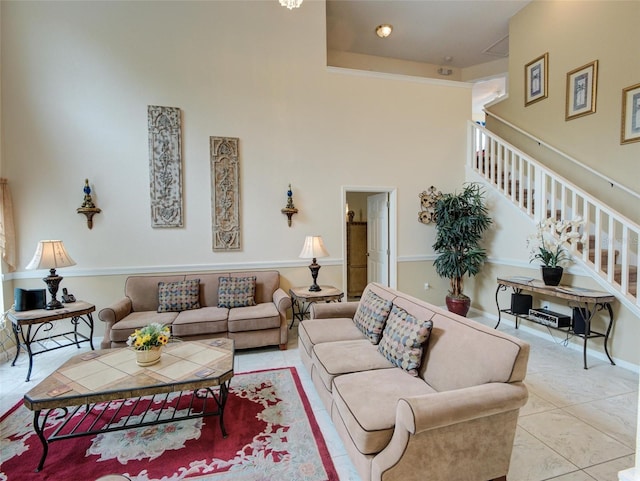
179, 296
371, 315
237, 292
403, 339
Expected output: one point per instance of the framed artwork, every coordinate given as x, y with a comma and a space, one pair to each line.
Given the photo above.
225, 193
165, 165
630, 131
536, 79
582, 87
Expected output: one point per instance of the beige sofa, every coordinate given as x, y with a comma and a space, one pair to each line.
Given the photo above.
454, 421
262, 324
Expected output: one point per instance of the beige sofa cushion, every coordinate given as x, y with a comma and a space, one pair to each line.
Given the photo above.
316, 331
366, 402
143, 291
489, 355
137, 320
341, 357
208, 287
253, 318
206, 320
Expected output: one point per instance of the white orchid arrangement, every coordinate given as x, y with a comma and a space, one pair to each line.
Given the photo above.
554, 241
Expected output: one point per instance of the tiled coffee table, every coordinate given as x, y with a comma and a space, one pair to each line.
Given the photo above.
111, 375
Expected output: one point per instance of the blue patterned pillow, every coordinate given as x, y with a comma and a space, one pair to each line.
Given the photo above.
179, 296
403, 339
371, 315
237, 291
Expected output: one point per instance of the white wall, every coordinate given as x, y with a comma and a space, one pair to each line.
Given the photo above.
77, 78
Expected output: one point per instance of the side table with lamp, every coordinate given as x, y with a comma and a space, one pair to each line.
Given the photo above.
303, 297
28, 323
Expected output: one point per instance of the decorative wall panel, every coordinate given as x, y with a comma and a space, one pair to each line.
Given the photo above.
225, 193
165, 165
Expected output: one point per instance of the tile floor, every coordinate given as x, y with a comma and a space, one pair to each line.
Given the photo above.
579, 425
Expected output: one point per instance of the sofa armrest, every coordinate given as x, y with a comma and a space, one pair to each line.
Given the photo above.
481, 420
282, 301
432, 411
112, 314
326, 310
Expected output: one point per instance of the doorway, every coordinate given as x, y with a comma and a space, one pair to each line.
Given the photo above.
369, 238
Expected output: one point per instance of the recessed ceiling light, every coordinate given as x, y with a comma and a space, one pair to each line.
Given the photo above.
384, 30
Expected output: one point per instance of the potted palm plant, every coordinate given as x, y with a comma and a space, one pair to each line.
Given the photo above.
461, 220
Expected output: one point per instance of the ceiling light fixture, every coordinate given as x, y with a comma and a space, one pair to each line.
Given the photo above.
291, 4
384, 30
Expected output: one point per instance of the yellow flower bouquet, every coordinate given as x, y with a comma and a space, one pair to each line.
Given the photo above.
153, 335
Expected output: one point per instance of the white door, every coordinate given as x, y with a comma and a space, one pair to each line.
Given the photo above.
378, 238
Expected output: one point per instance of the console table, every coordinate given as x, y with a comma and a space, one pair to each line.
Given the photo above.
589, 300
27, 324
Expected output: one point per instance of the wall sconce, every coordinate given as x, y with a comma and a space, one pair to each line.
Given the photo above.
290, 209
88, 208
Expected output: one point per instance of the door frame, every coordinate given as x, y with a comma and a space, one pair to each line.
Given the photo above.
393, 229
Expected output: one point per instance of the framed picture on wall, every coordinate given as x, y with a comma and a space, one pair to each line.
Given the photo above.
582, 85
536, 79
630, 131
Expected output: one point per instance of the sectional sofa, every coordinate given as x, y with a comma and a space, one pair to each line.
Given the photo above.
248, 307
414, 391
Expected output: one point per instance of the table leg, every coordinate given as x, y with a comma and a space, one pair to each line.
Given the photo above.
500, 288
90, 318
224, 393
294, 305
39, 429
16, 333
606, 335
27, 344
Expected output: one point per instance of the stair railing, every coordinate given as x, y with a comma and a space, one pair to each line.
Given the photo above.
612, 250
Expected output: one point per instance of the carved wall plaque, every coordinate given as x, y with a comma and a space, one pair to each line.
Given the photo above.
165, 165
428, 200
225, 193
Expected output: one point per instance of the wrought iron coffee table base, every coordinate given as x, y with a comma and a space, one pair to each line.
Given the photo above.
107, 419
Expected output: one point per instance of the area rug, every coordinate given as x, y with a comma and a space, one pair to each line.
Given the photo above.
272, 435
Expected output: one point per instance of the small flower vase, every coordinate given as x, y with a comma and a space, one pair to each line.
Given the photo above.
551, 276
148, 357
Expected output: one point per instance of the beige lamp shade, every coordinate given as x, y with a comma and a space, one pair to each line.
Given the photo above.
313, 248
50, 254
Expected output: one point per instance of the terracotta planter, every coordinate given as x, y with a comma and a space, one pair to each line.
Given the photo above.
459, 304
148, 357
551, 276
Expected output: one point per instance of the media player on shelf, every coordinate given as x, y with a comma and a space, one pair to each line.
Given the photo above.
549, 318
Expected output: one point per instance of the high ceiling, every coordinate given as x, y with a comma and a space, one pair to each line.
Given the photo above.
455, 33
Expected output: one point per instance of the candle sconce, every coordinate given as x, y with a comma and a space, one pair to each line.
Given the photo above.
88, 208
290, 209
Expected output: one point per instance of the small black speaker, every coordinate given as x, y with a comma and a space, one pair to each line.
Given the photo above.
521, 303
29, 299
578, 320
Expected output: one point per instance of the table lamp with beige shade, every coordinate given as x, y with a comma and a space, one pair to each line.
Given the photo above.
312, 249
51, 254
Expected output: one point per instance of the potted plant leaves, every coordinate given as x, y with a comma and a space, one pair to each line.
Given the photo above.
461, 220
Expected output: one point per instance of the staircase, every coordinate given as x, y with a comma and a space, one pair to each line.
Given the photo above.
611, 254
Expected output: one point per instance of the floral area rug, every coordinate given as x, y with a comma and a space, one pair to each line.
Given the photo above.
272, 435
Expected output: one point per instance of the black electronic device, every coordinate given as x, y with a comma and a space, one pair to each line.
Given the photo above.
521, 303
29, 299
578, 321
67, 297
549, 318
